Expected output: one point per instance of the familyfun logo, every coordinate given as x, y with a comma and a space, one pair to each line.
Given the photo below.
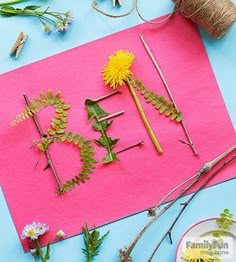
208, 249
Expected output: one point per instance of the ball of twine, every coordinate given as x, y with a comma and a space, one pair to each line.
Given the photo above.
215, 16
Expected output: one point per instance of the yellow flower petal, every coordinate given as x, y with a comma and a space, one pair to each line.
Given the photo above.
197, 254
117, 70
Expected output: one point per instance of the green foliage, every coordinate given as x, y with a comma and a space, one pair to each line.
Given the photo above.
159, 102
95, 111
224, 223
58, 123
57, 134
86, 156
92, 242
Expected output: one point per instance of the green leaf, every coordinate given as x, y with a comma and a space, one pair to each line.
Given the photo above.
69, 136
159, 102
99, 126
92, 243
50, 94
65, 107
106, 141
110, 157
47, 254
5, 10
94, 110
41, 147
60, 131
32, 7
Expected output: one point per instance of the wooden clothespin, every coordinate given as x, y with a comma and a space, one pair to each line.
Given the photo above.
118, 1
16, 49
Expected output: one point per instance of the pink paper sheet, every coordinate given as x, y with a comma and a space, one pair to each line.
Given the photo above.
142, 176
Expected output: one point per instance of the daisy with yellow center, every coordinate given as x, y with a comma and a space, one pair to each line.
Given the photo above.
197, 254
117, 73
34, 230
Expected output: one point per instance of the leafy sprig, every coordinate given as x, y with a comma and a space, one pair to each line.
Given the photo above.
92, 242
60, 20
158, 101
58, 123
95, 111
57, 133
224, 223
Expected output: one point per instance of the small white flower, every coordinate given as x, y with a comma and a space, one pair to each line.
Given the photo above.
33, 251
69, 17
60, 234
34, 230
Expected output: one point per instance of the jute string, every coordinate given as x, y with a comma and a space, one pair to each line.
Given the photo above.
215, 16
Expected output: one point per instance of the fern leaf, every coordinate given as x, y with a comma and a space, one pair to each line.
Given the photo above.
159, 102
58, 123
86, 156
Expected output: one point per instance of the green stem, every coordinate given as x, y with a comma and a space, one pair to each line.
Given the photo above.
39, 249
144, 118
11, 2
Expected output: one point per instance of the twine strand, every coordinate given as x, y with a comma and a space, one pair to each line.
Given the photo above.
215, 16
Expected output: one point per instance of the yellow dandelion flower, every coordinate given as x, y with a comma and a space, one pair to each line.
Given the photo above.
117, 70
197, 254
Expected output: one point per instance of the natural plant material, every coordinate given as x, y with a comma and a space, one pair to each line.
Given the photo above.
174, 104
9, 2
125, 255
61, 21
193, 254
197, 254
33, 232
92, 243
224, 223
159, 102
86, 151
56, 133
95, 111
117, 72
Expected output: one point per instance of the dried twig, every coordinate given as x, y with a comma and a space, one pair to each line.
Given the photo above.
185, 204
125, 255
189, 142
49, 161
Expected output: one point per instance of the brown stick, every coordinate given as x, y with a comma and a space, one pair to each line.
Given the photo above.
190, 142
125, 255
185, 204
49, 161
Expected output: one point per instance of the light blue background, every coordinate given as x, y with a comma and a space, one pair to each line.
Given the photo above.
88, 26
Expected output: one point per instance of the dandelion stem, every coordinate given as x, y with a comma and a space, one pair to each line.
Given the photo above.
144, 118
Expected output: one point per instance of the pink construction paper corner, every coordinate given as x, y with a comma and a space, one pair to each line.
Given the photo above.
142, 176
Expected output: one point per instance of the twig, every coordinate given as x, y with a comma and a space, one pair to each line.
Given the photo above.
111, 116
206, 167
185, 204
129, 147
190, 142
125, 255
42, 134
106, 96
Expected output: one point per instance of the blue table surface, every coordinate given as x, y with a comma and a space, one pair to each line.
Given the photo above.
88, 25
